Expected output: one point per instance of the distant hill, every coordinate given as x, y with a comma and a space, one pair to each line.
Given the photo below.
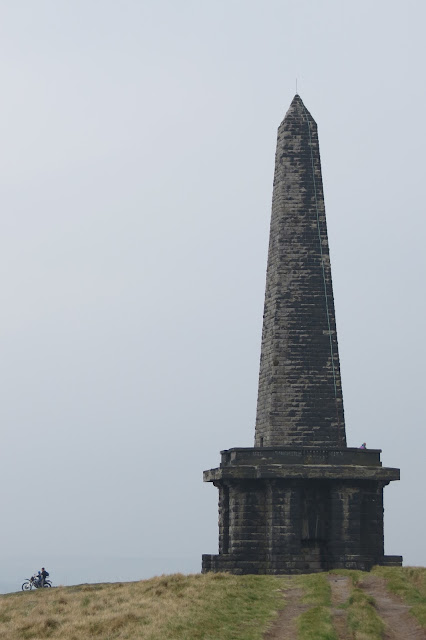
324, 606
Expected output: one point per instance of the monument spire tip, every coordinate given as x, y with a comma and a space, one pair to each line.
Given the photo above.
298, 110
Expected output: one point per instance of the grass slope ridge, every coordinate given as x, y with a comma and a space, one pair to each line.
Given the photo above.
175, 607
207, 607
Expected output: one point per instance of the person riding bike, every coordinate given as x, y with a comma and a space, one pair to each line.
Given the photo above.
43, 574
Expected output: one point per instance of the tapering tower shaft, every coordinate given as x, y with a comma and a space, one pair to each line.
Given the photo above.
300, 400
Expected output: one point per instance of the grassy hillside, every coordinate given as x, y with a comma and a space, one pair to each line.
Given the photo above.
214, 607
169, 607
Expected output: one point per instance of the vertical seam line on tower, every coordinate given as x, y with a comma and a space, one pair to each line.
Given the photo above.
321, 254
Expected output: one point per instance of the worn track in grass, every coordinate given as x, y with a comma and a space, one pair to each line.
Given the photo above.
285, 627
341, 587
400, 624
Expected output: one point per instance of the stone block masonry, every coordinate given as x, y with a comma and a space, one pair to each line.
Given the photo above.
299, 500
300, 391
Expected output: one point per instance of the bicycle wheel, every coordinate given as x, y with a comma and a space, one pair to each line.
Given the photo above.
26, 585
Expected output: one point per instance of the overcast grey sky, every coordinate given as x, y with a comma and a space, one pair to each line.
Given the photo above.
137, 143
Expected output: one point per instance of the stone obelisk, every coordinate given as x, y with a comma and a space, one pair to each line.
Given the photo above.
300, 392
300, 500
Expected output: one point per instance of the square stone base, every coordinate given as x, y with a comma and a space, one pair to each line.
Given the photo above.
318, 510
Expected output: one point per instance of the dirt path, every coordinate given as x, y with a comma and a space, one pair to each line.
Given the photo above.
400, 624
285, 627
341, 587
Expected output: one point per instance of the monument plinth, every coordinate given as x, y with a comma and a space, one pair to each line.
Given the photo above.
300, 500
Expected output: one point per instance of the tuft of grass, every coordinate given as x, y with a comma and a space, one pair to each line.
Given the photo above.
363, 619
316, 623
410, 584
316, 587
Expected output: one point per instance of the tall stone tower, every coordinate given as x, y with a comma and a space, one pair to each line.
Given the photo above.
300, 500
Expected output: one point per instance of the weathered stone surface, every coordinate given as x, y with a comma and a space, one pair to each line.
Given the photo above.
300, 500
300, 455
314, 472
300, 524
300, 392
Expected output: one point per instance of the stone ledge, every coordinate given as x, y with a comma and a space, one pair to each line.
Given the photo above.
302, 472
300, 455
391, 561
